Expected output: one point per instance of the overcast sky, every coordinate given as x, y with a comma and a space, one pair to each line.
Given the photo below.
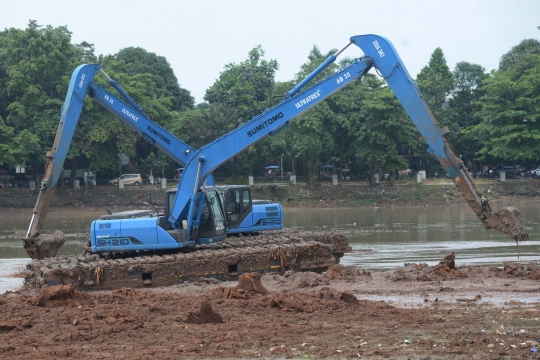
200, 37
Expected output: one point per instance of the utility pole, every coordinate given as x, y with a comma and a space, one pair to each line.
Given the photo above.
281, 167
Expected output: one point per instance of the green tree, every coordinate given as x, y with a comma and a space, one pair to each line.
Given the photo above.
245, 87
16, 146
379, 124
509, 112
517, 57
140, 61
467, 77
435, 80
33, 66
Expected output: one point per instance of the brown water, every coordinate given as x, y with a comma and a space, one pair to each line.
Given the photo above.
381, 238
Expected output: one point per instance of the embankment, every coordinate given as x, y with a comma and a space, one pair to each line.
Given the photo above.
301, 195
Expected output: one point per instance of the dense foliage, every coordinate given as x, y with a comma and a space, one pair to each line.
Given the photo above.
493, 117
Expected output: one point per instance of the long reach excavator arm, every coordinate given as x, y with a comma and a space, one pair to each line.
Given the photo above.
380, 54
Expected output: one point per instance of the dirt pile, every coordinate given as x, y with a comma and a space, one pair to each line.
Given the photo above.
307, 281
447, 270
61, 295
205, 315
517, 270
249, 285
251, 282
298, 315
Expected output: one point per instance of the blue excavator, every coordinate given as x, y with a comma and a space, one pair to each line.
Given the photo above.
198, 213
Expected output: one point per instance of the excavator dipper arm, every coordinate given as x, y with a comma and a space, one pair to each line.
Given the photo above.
390, 66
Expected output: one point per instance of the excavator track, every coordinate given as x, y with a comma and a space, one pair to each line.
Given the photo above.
276, 251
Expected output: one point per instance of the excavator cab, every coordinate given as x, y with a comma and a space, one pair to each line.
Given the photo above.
212, 226
236, 202
242, 213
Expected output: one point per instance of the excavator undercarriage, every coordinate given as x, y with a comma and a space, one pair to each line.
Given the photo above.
276, 251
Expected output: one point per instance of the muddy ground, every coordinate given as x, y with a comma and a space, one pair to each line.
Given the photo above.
412, 312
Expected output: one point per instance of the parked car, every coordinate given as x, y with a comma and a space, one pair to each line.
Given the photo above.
535, 172
129, 179
510, 171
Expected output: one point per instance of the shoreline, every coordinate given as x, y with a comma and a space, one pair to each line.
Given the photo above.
292, 197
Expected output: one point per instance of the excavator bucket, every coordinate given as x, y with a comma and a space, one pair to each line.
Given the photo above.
40, 247
36, 245
509, 221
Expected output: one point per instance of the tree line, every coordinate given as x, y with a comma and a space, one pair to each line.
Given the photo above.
493, 116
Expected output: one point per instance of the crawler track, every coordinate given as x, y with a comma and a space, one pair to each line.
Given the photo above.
270, 252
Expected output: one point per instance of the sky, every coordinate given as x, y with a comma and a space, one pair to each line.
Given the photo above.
200, 37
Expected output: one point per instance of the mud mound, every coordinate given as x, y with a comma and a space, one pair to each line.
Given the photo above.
126, 292
251, 282
251, 294
445, 270
449, 261
517, 270
510, 270
322, 301
413, 272
293, 281
349, 274
60, 295
205, 315
349, 298
307, 280
226, 293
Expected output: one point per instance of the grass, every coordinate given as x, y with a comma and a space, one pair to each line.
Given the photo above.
368, 201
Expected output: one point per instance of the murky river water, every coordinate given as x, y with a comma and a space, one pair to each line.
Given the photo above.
381, 238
